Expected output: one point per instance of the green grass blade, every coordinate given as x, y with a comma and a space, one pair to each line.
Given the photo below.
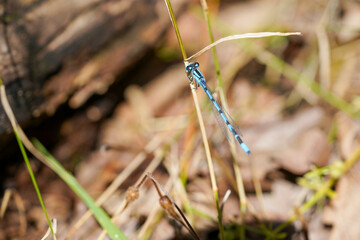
32, 176
176, 28
100, 215
44, 156
8, 110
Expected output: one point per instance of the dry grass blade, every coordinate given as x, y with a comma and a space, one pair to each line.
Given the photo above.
241, 36
5, 202
225, 198
135, 163
54, 224
20, 206
159, 154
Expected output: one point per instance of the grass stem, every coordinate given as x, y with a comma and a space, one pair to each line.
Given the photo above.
8, 112
176, 28
199, 115
45, 157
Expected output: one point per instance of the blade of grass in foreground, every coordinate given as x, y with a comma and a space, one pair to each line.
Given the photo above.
27, 162
44, 156
32, 176
100, 215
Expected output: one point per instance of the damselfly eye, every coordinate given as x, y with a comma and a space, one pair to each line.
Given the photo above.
188, 68
196, 64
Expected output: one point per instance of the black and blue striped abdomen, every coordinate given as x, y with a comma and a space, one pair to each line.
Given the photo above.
196, 75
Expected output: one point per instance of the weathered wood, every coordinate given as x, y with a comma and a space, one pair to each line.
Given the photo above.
53, 49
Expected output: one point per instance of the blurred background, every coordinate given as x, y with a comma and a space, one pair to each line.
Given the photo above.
100, 82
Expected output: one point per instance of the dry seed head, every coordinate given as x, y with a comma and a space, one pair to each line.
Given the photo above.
168, 206
132, 193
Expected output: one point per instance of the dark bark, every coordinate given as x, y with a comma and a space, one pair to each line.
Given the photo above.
53, 49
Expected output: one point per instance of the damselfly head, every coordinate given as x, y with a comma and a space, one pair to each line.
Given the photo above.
192, 66
189, 67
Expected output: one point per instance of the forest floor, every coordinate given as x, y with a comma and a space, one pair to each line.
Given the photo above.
296, 100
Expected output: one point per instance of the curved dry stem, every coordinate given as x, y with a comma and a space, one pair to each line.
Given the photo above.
135, 163
241, 36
